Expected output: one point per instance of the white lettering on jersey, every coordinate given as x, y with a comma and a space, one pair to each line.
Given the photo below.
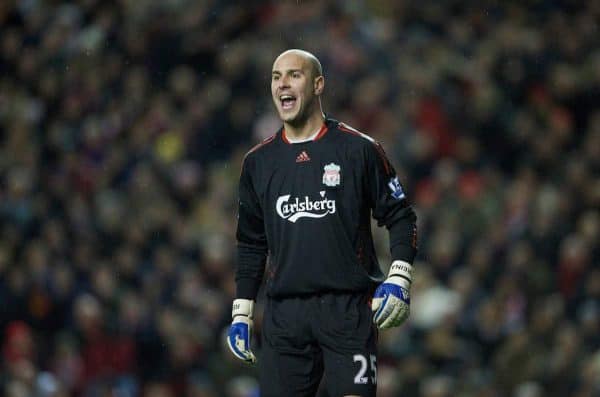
296, 208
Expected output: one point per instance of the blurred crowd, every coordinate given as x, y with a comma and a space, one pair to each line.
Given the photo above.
123, 125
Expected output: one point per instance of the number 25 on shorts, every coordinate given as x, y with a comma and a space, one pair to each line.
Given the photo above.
361, 378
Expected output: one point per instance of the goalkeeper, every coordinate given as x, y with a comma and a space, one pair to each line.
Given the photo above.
306, 197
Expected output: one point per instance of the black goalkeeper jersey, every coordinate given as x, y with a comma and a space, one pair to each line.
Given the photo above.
308, 207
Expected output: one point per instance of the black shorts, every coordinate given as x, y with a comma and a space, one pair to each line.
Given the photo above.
305, 338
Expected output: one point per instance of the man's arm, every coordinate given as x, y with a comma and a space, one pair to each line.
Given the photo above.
391, 209
390, 205
252, 255
251, 237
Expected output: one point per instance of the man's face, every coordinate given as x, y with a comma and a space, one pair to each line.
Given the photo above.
292, 87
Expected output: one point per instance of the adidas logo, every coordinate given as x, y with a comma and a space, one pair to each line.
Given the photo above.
303, 156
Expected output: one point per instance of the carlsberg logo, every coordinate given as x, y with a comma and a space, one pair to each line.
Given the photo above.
297, 208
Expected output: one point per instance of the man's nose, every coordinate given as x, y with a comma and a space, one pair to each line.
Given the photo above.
284, 82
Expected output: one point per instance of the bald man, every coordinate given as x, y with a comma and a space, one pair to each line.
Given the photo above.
306, 197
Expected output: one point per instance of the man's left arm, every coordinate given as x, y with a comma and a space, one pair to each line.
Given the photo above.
391, 302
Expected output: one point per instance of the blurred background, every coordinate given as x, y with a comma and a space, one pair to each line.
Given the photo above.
123, 125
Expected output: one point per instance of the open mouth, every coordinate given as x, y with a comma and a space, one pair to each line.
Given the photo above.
287, 101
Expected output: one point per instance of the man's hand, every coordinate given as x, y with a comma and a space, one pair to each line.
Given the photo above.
240, 332
392, 299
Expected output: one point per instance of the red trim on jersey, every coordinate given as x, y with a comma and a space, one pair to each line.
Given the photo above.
414, 237
386, 163
320, 134
264, 142
347, 129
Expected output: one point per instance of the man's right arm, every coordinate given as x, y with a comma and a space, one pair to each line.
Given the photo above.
251, 238
252, 255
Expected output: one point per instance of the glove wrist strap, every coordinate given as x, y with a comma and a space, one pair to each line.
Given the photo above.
242, 307
402, 272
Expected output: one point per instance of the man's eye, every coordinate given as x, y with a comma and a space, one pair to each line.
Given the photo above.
296, 75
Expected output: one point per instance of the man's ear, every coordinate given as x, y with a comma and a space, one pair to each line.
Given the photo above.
319, 85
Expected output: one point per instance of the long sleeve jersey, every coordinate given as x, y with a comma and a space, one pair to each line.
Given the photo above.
307, 207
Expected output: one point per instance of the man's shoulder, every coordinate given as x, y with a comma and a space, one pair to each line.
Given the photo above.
359, 142
350, 134
261, 147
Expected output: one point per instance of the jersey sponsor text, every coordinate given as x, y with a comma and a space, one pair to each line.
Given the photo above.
294, 209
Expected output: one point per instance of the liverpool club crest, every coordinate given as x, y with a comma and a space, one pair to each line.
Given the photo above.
331, 176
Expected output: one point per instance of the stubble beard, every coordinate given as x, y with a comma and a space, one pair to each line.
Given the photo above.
302, 116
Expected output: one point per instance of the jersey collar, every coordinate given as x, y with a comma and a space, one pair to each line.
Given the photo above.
314, 137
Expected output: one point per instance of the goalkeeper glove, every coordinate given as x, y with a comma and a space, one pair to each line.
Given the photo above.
238, 337
391, 300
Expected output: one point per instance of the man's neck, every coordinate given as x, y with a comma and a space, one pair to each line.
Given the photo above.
306, 129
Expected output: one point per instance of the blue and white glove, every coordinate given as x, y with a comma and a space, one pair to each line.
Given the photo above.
392, 298
240, 331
